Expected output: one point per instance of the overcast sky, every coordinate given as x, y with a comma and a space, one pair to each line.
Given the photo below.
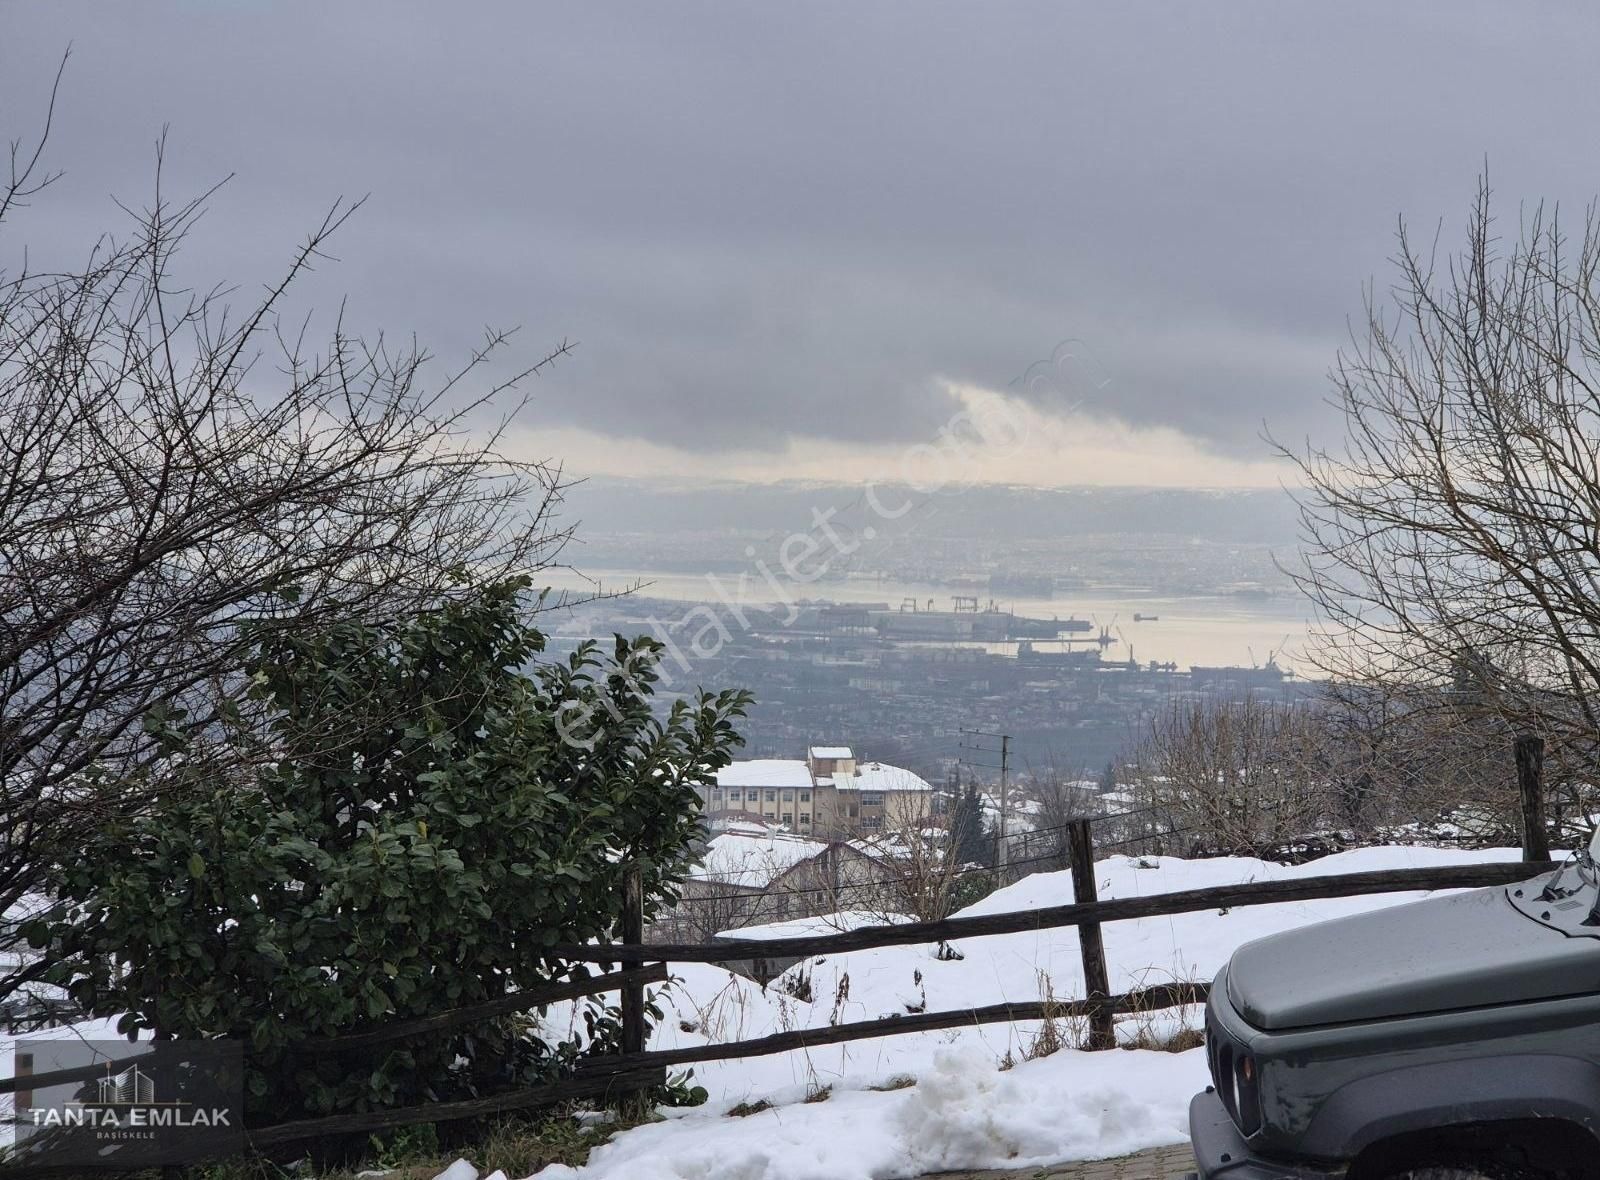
795, 240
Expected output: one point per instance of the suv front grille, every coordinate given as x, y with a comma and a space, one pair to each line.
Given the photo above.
1220, 1056
1233, 1075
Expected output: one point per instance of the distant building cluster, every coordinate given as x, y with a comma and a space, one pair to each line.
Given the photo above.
827, 793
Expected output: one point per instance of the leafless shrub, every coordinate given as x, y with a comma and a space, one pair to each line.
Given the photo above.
1058, 800
1237, 775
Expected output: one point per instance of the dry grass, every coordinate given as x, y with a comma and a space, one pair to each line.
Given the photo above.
519, 1147
724, 1016
1060, 1029
1166, 1030
841, 997
900, 1081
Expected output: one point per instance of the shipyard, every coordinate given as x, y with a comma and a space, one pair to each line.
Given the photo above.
902, 679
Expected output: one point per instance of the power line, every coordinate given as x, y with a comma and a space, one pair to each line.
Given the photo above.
1001, 847
1025, 836
836, 891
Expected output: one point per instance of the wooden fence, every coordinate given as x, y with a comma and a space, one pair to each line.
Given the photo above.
637, 1068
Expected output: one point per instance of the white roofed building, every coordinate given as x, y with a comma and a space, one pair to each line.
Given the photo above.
828, 793
753, 873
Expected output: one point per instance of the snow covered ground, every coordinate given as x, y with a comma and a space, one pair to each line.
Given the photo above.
977, 1100
981, 1097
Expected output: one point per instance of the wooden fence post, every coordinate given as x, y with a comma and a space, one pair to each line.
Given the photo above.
1530, 783
633, 932
1102, 1033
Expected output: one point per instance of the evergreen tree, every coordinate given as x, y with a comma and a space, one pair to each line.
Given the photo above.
972, 844
1108, 777
431, 806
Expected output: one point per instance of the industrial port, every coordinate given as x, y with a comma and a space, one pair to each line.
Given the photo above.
902, 679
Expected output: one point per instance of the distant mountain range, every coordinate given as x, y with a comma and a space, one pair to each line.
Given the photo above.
994, 512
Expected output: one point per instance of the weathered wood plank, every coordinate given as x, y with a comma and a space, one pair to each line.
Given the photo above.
1096, 977
1051, 917
520, 1001
1166, 995
1529, 752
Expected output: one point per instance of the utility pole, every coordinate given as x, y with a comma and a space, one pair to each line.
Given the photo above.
1000, 850
1005, 766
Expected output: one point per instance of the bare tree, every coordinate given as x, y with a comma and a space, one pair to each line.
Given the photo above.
1059, 800
1396, 757
179, 477
913, 867
1453, 540
712, 902
1239, 775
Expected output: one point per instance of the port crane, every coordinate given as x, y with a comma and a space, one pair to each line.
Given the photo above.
1104, 639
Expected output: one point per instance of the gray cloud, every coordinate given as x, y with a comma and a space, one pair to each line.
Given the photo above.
764, 221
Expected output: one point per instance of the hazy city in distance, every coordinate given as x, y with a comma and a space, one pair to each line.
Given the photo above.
1146, 607
938, 590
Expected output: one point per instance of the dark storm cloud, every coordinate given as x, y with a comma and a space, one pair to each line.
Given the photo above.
763, 221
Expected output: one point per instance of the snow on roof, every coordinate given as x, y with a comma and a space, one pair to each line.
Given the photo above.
836, 923
765, 772
791, 772
878, 776
743, 857
831, 752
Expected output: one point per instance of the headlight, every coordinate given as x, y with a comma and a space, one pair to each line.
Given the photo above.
1247, 1100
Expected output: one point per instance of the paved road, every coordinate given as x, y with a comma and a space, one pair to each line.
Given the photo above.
1159, 1163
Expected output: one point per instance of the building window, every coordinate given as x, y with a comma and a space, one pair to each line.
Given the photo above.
788, 817
805, 796
872, 822
788, 796
871, 799
772, 796
805, 818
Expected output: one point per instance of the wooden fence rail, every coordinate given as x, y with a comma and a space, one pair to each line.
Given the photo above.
1051, 917
637, 1068
610, 1076
519, 1001
604, 1077
398, 1030
1166, 995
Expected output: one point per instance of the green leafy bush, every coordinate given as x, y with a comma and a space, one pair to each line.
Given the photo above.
431, 808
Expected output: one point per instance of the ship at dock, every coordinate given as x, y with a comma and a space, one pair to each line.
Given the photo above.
917, 619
